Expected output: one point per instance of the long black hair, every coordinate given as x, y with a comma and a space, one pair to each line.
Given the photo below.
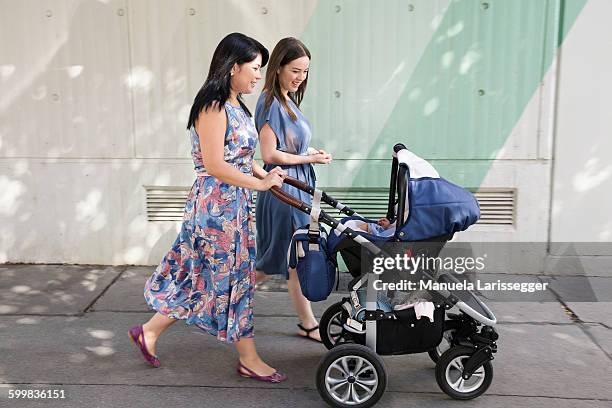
235, 48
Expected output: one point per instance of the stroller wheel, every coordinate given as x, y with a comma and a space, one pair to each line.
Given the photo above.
445, 344
332, 326
351, 375
449, 374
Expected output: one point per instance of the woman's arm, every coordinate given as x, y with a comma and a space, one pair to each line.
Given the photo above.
211, 126
269, 153
258, 171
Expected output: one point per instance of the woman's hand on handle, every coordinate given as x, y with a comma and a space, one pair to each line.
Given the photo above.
274, 178
279, 171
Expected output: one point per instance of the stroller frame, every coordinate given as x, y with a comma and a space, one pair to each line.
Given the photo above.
477, 347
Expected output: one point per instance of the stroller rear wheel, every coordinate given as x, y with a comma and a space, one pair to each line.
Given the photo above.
351, 375
449, 370
332, 326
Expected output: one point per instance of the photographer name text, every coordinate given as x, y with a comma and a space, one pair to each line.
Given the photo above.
408, 285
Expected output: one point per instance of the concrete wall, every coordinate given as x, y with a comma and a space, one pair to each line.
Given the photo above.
94, 96
582, 176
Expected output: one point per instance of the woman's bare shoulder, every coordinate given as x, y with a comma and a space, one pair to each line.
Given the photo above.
212, 117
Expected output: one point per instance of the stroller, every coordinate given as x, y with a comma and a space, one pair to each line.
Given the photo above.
364, 325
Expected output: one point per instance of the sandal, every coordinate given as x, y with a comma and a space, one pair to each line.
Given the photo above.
136, 334
308, 331
276, 377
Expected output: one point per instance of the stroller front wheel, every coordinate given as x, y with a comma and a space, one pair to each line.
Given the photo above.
332, 326
449, 370
351, 375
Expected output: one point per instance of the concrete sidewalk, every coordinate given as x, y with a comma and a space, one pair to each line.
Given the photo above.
64, 327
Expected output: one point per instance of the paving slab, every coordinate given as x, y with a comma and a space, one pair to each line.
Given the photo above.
52, 289
79, 396
593, 312
529, 312
603, 337
534, 359
126, 294
581, 288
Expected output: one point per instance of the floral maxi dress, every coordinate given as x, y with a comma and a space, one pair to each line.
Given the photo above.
208, 277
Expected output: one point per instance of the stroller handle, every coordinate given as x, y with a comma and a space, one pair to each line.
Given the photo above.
323, 216
299, 204
288, 198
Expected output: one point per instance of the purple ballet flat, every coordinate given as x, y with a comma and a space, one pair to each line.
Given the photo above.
274, 378
136, 333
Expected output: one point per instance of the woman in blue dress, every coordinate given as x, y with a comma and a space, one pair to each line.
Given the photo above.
207, 278
284, 136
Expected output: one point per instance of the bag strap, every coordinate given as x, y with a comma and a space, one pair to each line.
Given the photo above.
293, 252
314, 231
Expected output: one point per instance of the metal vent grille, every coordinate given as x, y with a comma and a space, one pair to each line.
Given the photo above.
497, 205
166, 203
368, 202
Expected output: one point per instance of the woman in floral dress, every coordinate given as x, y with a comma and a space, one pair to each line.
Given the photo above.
207, 278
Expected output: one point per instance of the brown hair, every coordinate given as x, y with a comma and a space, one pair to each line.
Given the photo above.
287, 50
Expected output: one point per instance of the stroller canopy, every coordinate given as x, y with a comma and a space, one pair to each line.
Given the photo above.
434, 206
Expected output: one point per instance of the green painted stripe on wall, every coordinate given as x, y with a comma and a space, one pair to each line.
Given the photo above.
458, 98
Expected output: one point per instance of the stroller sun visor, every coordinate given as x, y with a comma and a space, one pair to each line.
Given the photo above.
419, 167
435, 206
